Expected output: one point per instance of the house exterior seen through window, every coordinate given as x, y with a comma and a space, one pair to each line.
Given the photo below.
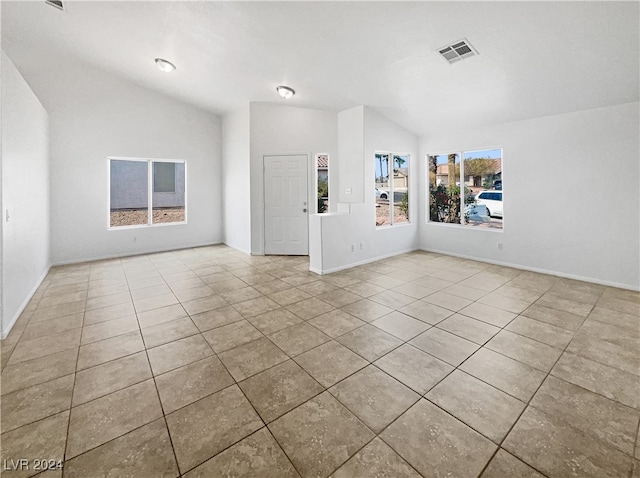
392, 188
322, 182
164, 177
144, 192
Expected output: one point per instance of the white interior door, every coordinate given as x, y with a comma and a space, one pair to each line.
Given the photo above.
286, 221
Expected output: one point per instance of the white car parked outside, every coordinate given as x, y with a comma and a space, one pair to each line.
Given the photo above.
492, 200
382, 194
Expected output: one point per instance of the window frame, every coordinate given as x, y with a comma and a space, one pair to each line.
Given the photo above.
391, 194
150, 192
463, 224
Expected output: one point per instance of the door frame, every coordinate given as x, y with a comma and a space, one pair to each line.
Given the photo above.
264, 194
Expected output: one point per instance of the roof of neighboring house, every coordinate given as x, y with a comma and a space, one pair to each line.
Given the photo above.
496, 165
323, 162
402, 171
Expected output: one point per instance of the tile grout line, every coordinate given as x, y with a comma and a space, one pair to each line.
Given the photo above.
368, 362
324, 389
24, 328
528, 404
153, 377
235, 383
73, 387
636, 445
499, 445
333, 339
423, 396
265, 425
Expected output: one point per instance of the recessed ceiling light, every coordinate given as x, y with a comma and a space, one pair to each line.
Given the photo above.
165, 65
285, 92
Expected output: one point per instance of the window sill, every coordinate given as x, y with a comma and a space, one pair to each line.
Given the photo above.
465, 227
143, 226
394, 226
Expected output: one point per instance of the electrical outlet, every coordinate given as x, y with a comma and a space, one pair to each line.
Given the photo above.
499, 246
353, 247
361, 245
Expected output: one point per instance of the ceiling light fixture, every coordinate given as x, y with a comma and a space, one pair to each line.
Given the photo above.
285, 92
165, 65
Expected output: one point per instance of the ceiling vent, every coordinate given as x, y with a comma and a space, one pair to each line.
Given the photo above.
457, 51
55, 3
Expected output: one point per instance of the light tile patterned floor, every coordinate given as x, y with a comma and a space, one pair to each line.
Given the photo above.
208, 362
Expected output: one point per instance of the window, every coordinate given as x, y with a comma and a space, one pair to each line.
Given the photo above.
476, 201
145, 192
392, 188
322, 182
164, 177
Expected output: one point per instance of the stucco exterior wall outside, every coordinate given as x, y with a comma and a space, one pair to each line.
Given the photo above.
129, 186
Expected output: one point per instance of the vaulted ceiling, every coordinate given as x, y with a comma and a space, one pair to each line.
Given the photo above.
535, 58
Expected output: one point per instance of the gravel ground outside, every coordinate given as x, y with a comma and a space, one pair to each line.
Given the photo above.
382, 214
133, 217
382, 217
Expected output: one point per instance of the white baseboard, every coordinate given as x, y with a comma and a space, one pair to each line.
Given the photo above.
536, 269
247, 252
133, 254
12, 322
360, 263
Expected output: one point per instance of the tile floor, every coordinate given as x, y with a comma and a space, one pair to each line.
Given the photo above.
208, 362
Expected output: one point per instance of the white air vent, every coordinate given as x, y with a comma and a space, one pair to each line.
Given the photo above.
55, 3
457, 51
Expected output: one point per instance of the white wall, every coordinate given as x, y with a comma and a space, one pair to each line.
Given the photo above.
571, 187
351, 153
339, 232
277, 129
94, 114
25, 193
236, 179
